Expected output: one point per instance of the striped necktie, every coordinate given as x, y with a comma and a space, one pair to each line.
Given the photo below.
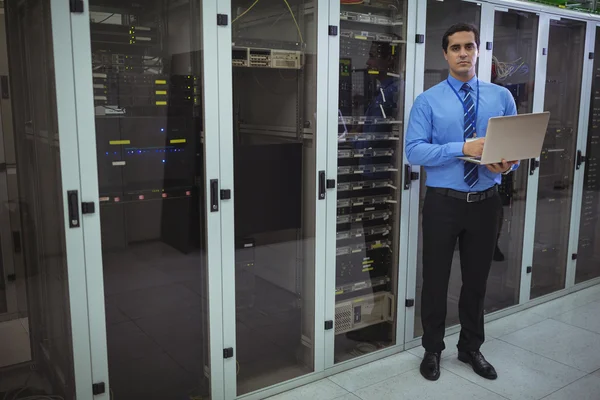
471, 172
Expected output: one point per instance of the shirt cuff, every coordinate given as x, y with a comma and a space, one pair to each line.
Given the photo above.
455, 149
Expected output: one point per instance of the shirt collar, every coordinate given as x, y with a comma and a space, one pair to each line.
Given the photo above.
457, 85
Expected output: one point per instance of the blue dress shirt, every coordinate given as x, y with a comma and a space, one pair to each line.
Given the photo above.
435, 135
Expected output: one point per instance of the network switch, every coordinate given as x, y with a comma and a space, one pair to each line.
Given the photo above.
266, 58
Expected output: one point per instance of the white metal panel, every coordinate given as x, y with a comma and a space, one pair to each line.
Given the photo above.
333, 76
225, 161
69, 165
486, 35
217, 81
584, 118
320, 139
533, 182
88, 167
407, 203
418, 61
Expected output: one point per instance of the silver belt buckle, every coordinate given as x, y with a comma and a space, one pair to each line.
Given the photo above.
469, 197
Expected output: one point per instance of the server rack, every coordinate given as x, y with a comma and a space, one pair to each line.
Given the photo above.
370, 133
588, 254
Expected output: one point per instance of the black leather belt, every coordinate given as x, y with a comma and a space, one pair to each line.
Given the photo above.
469, 197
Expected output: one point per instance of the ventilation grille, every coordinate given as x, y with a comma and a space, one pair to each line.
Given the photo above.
343, 318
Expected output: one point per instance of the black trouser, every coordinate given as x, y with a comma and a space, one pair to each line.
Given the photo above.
475, 225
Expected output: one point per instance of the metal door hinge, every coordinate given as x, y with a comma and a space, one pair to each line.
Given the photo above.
330, 183
574, 256
409, 176
4, 87
88, 207
420, 38
333, 30
222, 20
533, 165
98, 388
529, 269
580, 159
225, 194
228, 352
328, 325
410, 302
591, 55
17, 242
76, 6
489, 45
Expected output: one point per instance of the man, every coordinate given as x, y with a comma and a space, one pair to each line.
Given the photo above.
462, 202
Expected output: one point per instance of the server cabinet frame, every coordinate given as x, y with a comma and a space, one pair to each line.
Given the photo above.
223, 45
584, 121
484, 67
81, 309
85, 142
404, 195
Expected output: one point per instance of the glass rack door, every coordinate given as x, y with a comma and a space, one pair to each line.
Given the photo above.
274, 64
513, 67
588, 254
43, 339
370, 137
557, 161
440, 16
147, 69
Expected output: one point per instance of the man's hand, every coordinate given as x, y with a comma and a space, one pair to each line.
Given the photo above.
502, 167
474, 148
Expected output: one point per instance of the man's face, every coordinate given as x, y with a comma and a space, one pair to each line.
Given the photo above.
462, 53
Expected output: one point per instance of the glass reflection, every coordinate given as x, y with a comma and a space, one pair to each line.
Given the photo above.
274, 100
588, 254
440, 16
371, 107
148, 96
514, 57
557, 161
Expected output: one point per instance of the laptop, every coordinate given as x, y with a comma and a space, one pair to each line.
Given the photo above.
513, 138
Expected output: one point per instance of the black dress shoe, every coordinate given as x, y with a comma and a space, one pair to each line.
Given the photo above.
430, 366
479, 364
498, 255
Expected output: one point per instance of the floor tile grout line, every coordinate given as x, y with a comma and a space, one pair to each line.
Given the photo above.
391, 377
575, 326
569, 310
475, 383
541, 355
572, 383
520, 329
375, 383
343, 388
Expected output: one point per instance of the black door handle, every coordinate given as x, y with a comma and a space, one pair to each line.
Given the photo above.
214, 195
321, 185
73, 203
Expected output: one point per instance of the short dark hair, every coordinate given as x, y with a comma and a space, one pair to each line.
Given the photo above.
461, 27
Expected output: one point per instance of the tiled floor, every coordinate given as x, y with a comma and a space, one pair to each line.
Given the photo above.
549, 352
14, 342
